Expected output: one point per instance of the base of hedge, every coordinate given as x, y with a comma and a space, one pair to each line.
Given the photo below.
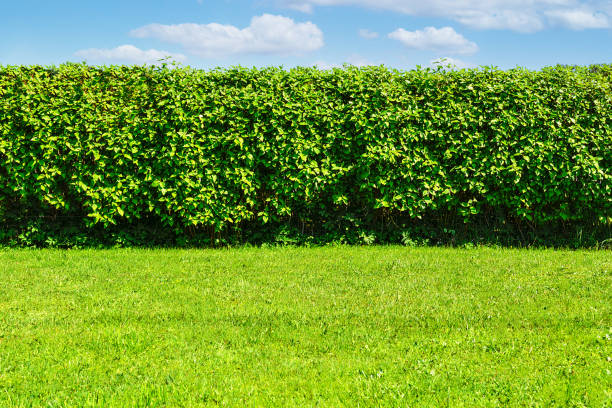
70, 233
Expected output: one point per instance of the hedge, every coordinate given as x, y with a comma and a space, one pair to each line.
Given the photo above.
137, 155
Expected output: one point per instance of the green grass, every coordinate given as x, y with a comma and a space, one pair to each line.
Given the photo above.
361, 326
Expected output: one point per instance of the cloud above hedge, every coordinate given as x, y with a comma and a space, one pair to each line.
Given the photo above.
436, 39
128, 53
267, 34
516, 15
579, 19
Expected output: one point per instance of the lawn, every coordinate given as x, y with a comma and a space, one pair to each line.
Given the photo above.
332, 326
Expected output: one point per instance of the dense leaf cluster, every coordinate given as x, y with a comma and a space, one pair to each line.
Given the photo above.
349, 154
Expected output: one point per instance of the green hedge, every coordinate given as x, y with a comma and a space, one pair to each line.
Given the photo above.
154, 155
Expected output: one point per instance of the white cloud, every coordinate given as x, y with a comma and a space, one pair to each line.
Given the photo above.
517, 15
579, 19
358, 60
431, 38
128, 53
517, 20
365, 33
267, 34
303, 6
326, 65
452, 62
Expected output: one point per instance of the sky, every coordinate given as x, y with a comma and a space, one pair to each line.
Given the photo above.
400, 34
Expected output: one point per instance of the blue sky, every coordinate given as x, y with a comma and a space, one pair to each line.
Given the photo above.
397, 33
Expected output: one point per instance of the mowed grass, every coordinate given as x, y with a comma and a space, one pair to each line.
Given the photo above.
343, 326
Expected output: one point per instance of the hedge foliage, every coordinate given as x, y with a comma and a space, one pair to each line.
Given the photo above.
234, 155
